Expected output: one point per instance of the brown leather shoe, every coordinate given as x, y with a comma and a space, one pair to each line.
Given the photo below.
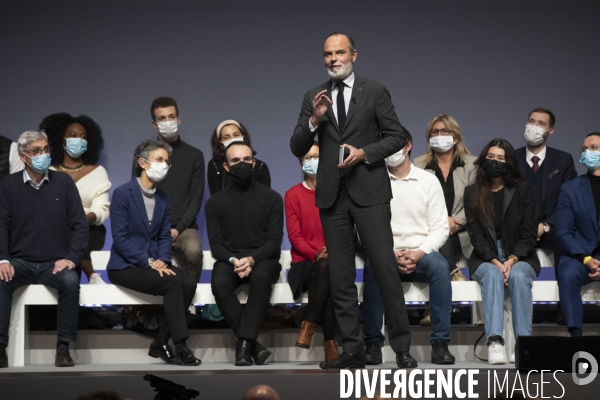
63, 358
426, 321
331, 350
306, 331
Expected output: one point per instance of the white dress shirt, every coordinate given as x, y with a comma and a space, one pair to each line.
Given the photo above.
529, 155
419, 215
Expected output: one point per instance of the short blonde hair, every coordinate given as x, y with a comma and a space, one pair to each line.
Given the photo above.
450, 123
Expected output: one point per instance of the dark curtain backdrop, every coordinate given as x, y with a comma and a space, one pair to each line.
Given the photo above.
486, 63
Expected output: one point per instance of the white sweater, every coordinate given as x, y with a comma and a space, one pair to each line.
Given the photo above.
419, 214
93, 190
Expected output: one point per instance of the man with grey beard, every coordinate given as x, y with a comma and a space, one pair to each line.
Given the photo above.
357, 129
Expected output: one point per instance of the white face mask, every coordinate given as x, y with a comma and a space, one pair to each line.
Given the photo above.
441, 144
396, 159
167, 129
534, 135
157, 171
228, 142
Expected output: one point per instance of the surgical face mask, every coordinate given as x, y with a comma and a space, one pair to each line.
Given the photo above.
235, 139
75, 147
441, 144
310, 167
157, 171
534, 135
39, 163
591, 159
494, 168
396, 159
167, 129
241, 172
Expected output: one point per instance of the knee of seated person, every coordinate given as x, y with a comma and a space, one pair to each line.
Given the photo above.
68, 278
518, 275
438, 265
322, 265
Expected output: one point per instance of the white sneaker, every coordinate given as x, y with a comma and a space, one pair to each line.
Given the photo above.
512, 358
96, 279
496, 353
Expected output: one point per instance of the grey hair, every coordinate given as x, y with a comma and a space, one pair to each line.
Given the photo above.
350, 40
144, 149
29, 137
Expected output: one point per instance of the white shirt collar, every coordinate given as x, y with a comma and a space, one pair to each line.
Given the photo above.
349, 81
541, 155
27, 179
411, 174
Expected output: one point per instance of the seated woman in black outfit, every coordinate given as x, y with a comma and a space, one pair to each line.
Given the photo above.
140, 257
226, 132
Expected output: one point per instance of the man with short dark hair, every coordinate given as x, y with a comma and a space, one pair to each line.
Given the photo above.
184, 184
357, 127
245, 228
546, 169
10, 161
578, 234
43, 234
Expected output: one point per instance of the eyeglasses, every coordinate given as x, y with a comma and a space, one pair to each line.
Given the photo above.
443, 132
160, 160
313, 157
592, 148
36, 151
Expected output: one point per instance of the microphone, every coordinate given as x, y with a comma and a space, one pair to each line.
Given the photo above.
353, 100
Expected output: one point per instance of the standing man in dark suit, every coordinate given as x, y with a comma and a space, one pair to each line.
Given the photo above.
546, 169
357, 128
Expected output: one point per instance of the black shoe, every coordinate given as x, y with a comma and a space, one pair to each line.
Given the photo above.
373, 354
187, 358
165, 353
346, 361
63, 357
440, 353
405, 360
260, 353
3, 358
243, 353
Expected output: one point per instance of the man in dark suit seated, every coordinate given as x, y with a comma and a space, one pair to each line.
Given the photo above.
546, 169
43, 234
578, 234
245, 228
357, 128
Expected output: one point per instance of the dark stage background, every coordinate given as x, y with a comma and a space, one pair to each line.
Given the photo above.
486, 63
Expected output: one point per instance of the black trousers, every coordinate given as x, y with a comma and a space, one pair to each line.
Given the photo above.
178, 291
244, 320
373, 224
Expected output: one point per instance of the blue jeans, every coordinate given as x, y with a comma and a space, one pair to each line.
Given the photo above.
433, 269
520, 280
66, 282
572, 275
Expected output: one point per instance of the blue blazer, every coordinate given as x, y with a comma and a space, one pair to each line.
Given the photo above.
577, 228
133, 237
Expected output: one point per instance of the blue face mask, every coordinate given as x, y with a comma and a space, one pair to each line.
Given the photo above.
76, 147
310, 167
40, 163
591, 159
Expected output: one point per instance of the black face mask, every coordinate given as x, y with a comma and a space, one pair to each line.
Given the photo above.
494, 169
241, 172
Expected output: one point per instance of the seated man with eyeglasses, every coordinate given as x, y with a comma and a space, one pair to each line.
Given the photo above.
245, 228
578, 235
43, 234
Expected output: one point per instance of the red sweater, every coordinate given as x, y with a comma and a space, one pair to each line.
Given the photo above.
303, 223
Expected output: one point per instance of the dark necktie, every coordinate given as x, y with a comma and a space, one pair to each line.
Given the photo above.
341, 106
535, 160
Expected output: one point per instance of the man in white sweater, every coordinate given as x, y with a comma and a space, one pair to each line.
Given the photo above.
420, 228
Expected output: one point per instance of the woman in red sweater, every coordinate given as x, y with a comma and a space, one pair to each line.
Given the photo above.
310, 263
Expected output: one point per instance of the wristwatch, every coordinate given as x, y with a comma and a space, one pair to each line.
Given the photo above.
546, 227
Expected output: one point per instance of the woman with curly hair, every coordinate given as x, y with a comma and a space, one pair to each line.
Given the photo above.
227, 132
75, 144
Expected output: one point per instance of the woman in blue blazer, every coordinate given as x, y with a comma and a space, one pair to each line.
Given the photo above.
140, 257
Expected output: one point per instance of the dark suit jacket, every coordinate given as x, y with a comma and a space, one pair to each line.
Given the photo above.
577, 226
519, 229
558, 169
371, 125
134, 239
